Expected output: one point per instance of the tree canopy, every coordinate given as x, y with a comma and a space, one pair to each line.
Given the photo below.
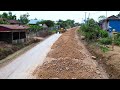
8, 15
24, 18
49, 23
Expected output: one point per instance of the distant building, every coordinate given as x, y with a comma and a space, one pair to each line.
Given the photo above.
13, 33
13, 22
110, 23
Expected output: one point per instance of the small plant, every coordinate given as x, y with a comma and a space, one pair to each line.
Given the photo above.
103, 33
105, 41
117, 41
104, 49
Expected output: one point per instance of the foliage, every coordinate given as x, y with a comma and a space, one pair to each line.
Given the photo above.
24, 18
8, 15
105, 41
104, 49
117, 42
103, 33
118, 14
90, 29
117, 39
49, 23
34, 28
101, 18
65, 24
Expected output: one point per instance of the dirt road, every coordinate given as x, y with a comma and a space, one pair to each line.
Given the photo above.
69, 59
24, 65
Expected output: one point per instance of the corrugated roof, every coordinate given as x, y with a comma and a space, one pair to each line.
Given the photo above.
15, 27
13, 21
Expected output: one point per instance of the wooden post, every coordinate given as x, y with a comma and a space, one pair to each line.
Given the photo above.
12, 37
25, 36
113, 36
19, 37
112, 40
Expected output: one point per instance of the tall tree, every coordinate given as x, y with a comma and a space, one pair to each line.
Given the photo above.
24, 18
10, 16
49, 23
118, 14
4, 15
101, 17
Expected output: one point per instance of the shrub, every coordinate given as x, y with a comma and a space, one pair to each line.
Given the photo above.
104, 49
105, 41
90, 29
103, 33
117, 41
117, 36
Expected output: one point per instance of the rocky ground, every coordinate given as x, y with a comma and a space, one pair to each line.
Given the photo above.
69, 59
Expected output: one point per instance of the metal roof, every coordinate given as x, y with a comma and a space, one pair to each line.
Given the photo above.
15, 27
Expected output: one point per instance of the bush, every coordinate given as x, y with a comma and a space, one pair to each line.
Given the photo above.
104, 49
117, 41
90, 30
103, 33
117, 36
105, 41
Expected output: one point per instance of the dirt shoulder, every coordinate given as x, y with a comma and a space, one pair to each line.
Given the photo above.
69, 59
12, 57
110, 60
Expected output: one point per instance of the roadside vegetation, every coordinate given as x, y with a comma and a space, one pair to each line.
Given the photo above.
93, 33
99, 43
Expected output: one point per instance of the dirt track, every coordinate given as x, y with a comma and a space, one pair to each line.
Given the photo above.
69, 59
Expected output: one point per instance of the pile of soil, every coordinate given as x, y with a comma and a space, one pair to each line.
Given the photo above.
68, 60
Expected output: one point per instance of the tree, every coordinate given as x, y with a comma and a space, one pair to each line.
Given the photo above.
35, 19
24, 18
4, 15
101, 18
118, 15
91, 29
10, 16
65, 24
49, 23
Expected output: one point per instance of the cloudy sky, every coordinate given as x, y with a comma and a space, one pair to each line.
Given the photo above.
78, 16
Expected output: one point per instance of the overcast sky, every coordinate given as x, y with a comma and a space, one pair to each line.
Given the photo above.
78, 16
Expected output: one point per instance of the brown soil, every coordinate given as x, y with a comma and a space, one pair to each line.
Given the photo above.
110, 60
69, 59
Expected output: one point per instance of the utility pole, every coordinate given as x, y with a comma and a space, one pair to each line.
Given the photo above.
85, 17
106, 14
88, 15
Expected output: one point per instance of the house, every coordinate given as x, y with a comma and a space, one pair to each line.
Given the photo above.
33, 22
110, 23
13, 22
13, 33
6, 21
